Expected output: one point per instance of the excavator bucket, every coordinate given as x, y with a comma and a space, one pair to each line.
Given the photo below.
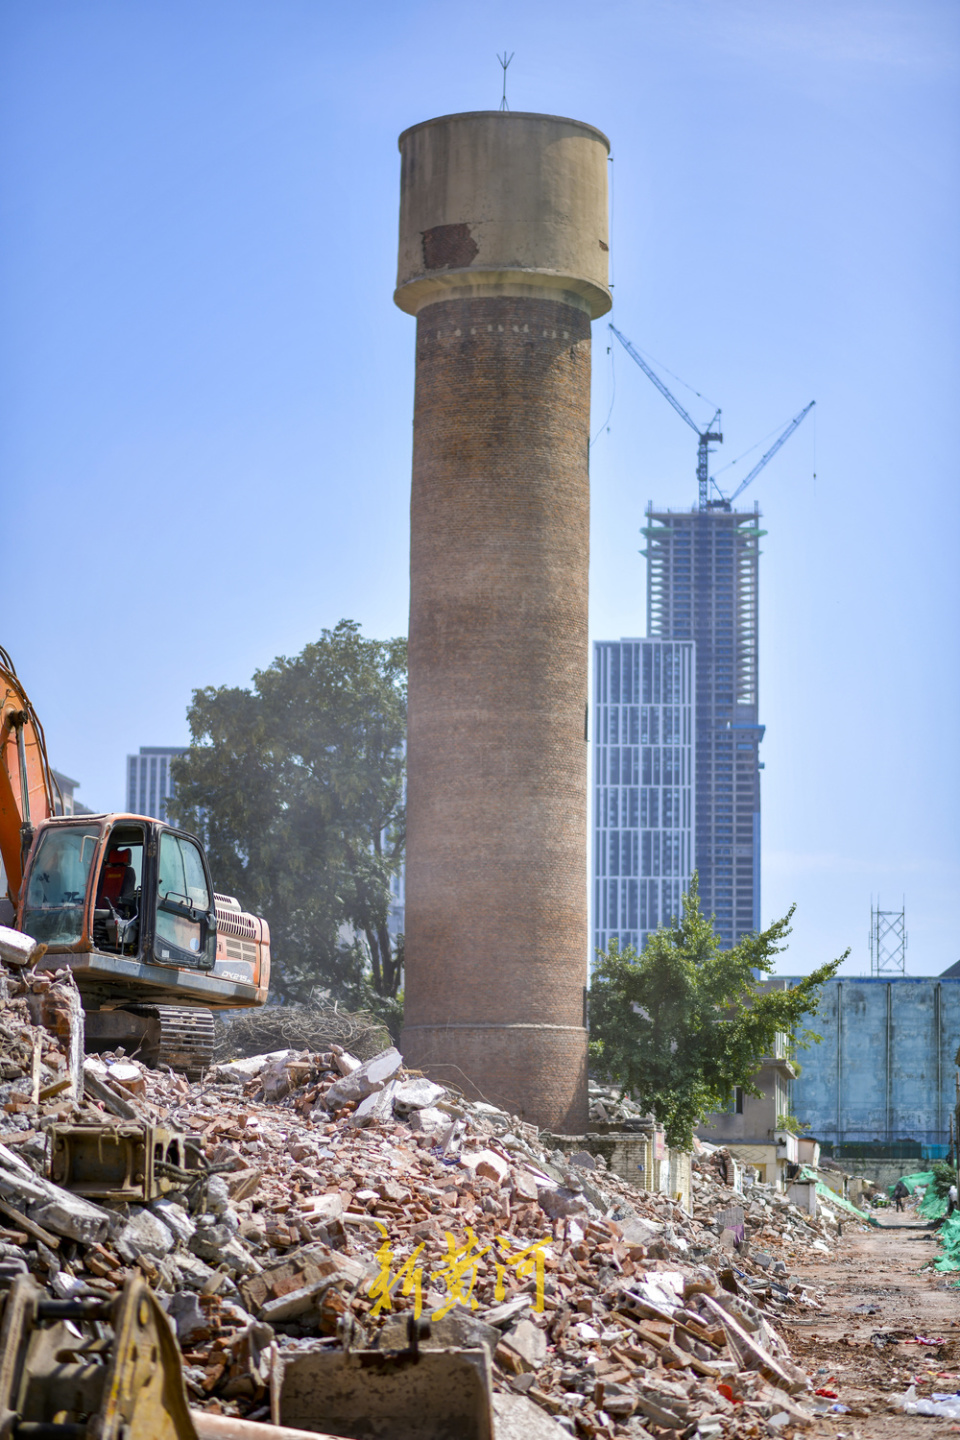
98, 1369
412, 1394
58, 1384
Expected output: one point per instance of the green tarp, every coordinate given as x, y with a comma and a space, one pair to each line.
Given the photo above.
833, 1198
949, 1237
931, 1207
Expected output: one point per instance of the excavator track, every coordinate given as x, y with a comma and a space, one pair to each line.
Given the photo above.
176, 1036
186, 1039
180, 1036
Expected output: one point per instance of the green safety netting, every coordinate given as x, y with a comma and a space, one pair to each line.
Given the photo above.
833, 1198
931, 1207
949, 1237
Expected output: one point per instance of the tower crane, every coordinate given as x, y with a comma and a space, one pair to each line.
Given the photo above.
704, 437
708, 436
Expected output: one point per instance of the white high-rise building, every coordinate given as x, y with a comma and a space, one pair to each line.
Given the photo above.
396, 912
149, 784
643, 786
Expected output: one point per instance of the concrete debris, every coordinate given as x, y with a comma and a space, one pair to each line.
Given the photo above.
517, 1418
218, 1195
372, 1075
15, 947
417, 1094
129, 1076
609, 1107
377, 1106
190, 1320
528, 1342
344, 1062
248, 1068
430, 1121
487, 1165
97, 1082
558, 1201
144, 1234
176, 1219
333, 1196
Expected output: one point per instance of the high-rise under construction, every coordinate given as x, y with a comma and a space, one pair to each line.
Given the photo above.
702, 586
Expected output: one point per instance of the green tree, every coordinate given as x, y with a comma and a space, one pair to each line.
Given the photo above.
944, 1176
683, 1024
296, 787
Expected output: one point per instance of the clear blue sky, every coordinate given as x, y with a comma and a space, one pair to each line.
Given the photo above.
208, 392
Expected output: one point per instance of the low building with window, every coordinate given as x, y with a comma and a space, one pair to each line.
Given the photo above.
752, 1128
67, 803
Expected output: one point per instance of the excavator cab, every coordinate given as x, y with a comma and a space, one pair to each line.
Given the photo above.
128, 903
121, 886
116, 909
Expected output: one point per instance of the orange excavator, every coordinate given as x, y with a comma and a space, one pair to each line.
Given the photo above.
127, 902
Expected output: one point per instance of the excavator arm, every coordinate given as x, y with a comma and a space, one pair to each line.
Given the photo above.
28, 791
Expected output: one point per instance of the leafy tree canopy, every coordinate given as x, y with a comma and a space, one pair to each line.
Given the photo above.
683, 1024
296, 787
944, 1175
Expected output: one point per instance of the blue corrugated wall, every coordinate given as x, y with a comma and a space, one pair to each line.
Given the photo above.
884, 1071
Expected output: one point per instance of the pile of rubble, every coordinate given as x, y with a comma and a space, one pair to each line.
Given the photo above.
609, 1107
297, 1200
763, 1227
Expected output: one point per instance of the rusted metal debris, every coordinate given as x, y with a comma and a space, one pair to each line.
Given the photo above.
122, 1162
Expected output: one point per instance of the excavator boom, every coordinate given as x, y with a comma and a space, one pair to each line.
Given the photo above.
28, 791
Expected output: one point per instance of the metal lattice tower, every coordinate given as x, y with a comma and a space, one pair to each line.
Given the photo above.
888, 941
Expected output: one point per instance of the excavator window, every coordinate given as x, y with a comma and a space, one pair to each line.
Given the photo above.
183, 898
53, 913
116, 912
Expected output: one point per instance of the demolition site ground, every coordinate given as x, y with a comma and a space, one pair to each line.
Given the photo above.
870, 1340
302, 1205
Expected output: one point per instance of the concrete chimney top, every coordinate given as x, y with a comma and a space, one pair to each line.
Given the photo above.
503, 203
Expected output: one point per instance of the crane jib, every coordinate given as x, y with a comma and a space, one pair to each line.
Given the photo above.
781, 440
712, 433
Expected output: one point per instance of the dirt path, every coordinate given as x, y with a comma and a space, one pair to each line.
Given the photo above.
878, 1269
